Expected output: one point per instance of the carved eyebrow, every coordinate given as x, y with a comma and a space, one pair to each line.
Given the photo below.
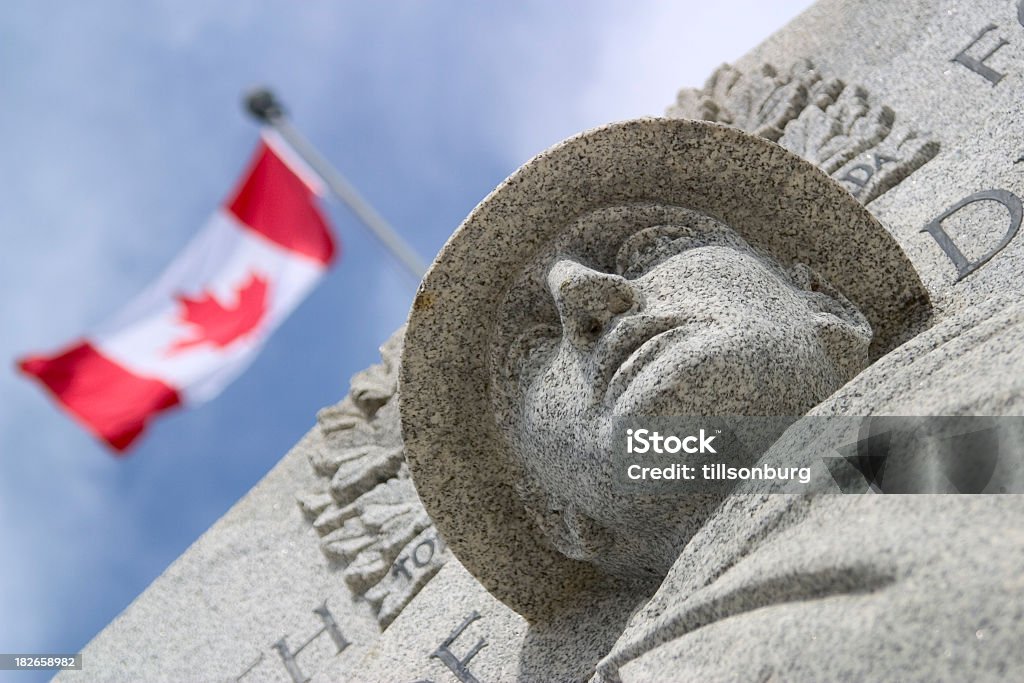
642, 241
639, 250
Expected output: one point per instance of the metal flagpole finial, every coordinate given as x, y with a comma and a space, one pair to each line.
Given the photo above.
263, 104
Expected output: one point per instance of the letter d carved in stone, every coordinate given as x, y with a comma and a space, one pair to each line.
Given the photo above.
964, 267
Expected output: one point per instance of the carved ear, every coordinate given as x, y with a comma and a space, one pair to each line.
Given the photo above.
843, 330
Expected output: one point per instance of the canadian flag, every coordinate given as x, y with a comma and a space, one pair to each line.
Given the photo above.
203, 321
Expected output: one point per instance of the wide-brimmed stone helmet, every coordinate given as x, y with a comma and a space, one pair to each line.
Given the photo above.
779, 203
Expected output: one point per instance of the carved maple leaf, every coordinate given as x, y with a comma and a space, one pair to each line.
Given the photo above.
219, 324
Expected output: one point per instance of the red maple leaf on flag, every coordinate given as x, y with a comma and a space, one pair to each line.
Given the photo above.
218, 324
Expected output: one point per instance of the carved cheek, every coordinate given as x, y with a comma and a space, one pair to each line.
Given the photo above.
560, 392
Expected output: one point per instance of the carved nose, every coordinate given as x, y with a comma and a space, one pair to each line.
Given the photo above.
588, 300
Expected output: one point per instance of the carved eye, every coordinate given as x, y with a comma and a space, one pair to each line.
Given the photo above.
645, 249
524, 353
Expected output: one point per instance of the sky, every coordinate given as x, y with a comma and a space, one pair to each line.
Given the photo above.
124, 131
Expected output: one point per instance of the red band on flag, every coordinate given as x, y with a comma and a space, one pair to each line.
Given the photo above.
111, 401
275, 203
184, 339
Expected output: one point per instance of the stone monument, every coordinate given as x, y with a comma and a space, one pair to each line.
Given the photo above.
825, 232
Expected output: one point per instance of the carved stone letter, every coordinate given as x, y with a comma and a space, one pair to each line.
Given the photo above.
330, 626
459, 667
839, 127
977, 64
963, 266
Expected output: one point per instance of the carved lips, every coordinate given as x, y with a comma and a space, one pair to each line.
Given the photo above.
630, 344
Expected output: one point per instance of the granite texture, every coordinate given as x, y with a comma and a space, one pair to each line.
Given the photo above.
245, 595
364, 506
407, 651
810, 588
629, 231
904, 53
689, 321
251, 581
914, 588
911, 106
883, 588
839, 127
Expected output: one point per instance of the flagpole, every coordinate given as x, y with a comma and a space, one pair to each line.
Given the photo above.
264, 106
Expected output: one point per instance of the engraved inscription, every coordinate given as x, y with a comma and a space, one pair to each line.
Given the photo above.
974, 61
834, 125
287, 656
965, 267
253, 665
421, 556
415, 565
330, 626
983, 46
460, 667
876, 172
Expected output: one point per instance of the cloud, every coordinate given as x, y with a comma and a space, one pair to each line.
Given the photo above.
682, 44
129, 134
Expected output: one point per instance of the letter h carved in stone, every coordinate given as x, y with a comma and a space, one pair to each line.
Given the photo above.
460, 667
330, 626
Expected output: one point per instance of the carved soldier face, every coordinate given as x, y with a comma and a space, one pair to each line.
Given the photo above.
689, 321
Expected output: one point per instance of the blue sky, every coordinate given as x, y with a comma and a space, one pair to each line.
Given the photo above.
123, 131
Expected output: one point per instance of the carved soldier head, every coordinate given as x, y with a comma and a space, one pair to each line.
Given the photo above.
647, 310
650, 268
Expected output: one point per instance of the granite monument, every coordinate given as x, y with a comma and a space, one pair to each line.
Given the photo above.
828, 229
